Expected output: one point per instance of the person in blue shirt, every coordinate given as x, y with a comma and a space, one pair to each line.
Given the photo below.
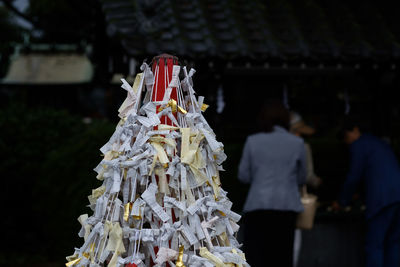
374, 163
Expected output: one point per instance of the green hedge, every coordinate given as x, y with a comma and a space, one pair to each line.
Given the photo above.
47, 161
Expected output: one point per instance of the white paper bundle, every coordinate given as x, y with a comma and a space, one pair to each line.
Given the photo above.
161, 202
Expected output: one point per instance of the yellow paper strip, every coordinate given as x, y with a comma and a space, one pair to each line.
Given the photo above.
128, 103
204, 107
160, 139
181, 110
179, 262
189, 149
200, 176
174, 107
224, 239
115, 239
162, 155
115, 244
72, 263
198, 161
96, 193
114, 258
215, 185
72, 257
208, 255
185, 132
126, 211
125, 173
91, 252
136, 84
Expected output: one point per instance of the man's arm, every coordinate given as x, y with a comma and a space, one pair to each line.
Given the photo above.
357, 165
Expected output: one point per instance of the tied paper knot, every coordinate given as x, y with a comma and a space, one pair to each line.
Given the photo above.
174, 107
131, 99
208, 224
166, 254
115, 243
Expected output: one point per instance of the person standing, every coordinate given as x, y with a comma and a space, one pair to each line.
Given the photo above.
374, 163
299, 128
273, 162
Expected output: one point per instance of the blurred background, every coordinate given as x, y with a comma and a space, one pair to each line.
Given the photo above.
60, 67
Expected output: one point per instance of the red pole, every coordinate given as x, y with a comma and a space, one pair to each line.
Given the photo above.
163, 76
162, 66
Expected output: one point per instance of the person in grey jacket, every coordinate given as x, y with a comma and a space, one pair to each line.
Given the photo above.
274, 164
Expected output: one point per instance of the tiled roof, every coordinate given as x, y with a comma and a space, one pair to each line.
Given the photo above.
281, 29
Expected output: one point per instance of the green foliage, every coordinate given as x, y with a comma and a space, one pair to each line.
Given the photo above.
47, 164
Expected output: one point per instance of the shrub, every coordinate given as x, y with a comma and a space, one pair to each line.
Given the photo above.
47, 160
